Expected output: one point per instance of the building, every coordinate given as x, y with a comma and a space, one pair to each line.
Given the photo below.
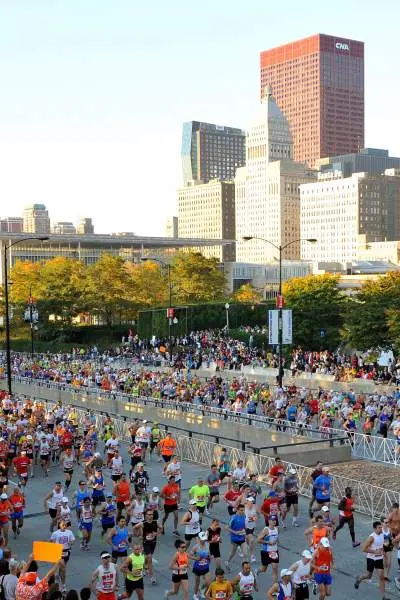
264, 278
207, 210
368, 160
171, 227
267, 198
36, 219
211, 152
85, 226
318, 83
90, 247
348, 213
12, 224
380, 251
63, 227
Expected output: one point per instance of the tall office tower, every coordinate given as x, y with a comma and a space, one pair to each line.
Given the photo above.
85, 225
267, 196
171, 227
12, 224
211, 152
318, 83
64, 228
207, 210
348, 213
36, 219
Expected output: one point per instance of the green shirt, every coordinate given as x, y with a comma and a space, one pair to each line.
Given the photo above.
200, 493
137, 561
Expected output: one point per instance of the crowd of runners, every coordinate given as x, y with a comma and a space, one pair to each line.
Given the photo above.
105, 495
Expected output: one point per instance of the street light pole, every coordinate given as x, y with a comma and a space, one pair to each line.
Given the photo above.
227, 318
7, 304
280, 249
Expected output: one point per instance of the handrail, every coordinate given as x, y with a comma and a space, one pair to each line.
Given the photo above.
274, 447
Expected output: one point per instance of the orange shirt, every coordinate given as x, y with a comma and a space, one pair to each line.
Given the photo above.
123, 492
323, 560
170, 493
167, 446
318, 534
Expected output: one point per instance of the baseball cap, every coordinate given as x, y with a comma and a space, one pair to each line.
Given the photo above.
109, 495
307, 554
325, 509
4, 496
105, 555
144, 421
64, 499
325, 542
155, 490
250, 499
292, 471
286, 573
203, 535
192, 501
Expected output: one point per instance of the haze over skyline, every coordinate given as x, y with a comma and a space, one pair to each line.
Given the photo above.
94, 94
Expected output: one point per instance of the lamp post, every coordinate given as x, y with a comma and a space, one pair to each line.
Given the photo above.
7, 303
280, 249
227, 317
170, 310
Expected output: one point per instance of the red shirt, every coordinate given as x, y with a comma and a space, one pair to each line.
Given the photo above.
274, 472
22, 464
349, 505
232, 495
170, 493
18, 502
270, 506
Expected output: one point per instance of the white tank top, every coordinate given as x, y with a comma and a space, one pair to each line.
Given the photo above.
302, 572
251, 517
246, 584
137, 515
116, 466
65, 512
377, 544
193, 527
286, 589
106, 578
56, 499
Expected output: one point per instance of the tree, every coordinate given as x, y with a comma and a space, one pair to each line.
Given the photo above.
197, 278
372, 319
318, 308
148, 285
247, 294
61, 288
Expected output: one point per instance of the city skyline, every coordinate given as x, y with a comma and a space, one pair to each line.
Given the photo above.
79, 135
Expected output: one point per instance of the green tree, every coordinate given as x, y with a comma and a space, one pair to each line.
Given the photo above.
61, 288
247, 294
372, 319
318, 307
197, 278
148, 285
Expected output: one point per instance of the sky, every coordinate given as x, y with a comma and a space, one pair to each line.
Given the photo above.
93, 93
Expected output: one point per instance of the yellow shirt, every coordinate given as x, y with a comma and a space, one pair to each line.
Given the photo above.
220, 591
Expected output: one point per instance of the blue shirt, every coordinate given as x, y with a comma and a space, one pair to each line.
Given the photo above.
238, 523
322, 486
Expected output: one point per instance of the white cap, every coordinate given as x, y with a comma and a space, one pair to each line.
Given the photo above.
203, 535
286, 573
192, 501
292, 471
250, 499
144, 421
155, 490
4, 496
307, 554
325, 509
325, 542
64, 499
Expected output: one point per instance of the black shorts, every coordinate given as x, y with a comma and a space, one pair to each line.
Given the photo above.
292, 500
169, 508
267, 560
191, 536
106, 526
231, 510
52, 513
96, 500
131, 586
249, 531
166, 458
301, 592
65, 555
178, 578
144, 445
374, 564
121, 505
69, 471
135, 460
45, 457
214, 494
215, 550
153, 445
119, 553
50, 427
116, 477
222, 475
201, 509
149, 548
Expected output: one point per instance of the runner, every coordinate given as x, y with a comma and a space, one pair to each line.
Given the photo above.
171, 495
251, 514
301, 576
213, 482
224, 465
133, 569
269, 537
67, 459
346, 515
122, 493
65, 537
143, 435
6, 509
79, 495
316, 532
237, 530
373, 547
283, 589
136, 514
200, 492
52, 501
316, 473
175, 468
17, 501
179, 565
104, 580
155, 439
23, 467
191, 521
220, 588
153, 503
86, 523
108, 513
214, 541
232, 496
167, 449
116, 466
64, 512
150, 531
322, 565
322, 485
291, 485
96, 482
245, 582
200, 555
118, 538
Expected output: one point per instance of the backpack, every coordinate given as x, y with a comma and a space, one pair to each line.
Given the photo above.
2, 593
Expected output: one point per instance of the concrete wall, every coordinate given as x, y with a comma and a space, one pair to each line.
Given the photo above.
228, 433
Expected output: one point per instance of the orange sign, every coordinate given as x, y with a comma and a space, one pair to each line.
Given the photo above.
47, 551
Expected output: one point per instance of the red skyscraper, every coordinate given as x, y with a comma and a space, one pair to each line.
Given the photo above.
318, 83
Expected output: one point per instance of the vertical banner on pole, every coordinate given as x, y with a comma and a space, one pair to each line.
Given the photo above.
287, 334
273, 327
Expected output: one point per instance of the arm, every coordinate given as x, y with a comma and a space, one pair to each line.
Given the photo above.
272, 590
93, 580
366, 544
124, 568
110, 533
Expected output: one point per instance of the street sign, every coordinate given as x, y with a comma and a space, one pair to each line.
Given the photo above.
273, 327
279, 301
170, 313
287, 334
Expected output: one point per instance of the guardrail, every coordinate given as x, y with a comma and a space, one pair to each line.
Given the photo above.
370, 500
373, 448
